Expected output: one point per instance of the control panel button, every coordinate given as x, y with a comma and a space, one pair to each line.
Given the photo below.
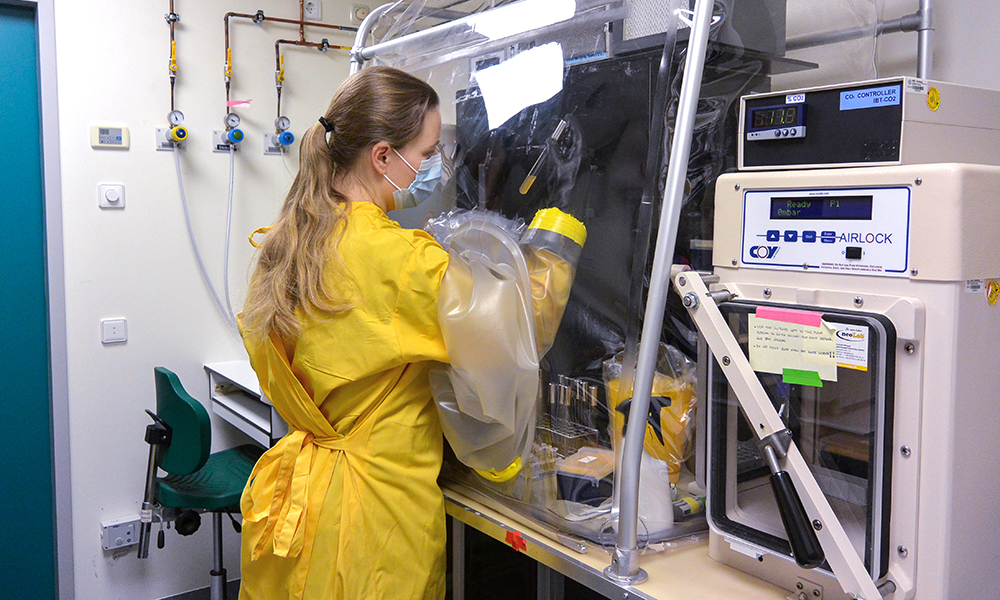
773, 235
809, 237
791, 235
853, 252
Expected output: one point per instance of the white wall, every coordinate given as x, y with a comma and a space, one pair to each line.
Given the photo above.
137, 263
964, 38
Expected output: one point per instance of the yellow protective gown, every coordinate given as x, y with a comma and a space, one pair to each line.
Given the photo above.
347, 504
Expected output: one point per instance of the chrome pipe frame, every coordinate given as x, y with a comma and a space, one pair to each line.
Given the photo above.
363, 32
625, 561
361, 53
925, 49
812, 40
921, 21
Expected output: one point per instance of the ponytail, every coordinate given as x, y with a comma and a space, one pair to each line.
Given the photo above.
299, 254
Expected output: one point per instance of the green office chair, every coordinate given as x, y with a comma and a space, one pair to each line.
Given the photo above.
180, 440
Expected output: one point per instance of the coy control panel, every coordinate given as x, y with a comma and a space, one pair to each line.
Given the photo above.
858, 231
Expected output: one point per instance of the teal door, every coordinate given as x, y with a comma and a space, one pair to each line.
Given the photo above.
27, 502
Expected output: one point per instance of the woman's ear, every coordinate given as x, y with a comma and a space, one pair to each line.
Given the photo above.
379, 156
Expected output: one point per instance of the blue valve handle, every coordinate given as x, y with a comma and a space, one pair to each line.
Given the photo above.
235, 136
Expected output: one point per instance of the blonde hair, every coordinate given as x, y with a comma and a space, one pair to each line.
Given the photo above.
374, 105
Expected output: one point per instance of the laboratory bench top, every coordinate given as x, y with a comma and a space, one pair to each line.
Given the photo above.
681, 573
684, 572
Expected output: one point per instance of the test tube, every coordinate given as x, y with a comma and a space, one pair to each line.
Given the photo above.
553, 398
529, 180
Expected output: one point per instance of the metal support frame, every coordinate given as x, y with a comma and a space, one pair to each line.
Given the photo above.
847, 566
625, 561
550, 584
457, 559
925, 47
362, 36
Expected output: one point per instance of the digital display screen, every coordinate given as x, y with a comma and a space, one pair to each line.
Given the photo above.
774, 116
830, 208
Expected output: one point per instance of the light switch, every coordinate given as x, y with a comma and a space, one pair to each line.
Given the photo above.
111, 195
113, 331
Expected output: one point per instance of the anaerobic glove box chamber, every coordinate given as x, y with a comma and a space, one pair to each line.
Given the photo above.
895, 404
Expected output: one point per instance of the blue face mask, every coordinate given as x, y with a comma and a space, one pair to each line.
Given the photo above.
425, 185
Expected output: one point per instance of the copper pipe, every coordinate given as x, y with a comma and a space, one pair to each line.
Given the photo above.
322, 46
259, 17
290, 21
302, 20
173, 74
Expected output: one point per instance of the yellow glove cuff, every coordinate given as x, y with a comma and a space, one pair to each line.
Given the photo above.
555, 220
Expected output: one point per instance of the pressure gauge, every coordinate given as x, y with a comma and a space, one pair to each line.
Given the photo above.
282, 123
232, 120
175, 117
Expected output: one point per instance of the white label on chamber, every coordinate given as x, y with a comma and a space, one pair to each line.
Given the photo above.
852, 346
975, 286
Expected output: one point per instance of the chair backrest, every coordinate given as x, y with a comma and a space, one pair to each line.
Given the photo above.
191, 442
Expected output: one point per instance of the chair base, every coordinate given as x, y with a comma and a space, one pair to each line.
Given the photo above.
217, 587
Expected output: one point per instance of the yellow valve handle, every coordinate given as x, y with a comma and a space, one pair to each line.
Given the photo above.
260, 230
229, 62
173, 56
178, 134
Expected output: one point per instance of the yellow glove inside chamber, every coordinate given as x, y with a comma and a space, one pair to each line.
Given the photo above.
552, 247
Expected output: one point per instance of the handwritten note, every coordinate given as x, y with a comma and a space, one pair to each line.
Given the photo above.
779, 345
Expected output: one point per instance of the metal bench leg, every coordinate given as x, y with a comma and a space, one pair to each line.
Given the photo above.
551, 584
457, 559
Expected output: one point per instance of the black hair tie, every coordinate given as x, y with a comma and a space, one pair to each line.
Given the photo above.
326, 124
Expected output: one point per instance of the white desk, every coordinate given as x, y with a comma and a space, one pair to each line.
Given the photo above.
237, 399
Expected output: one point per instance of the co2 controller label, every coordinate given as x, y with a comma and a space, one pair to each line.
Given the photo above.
858, 231
870, 98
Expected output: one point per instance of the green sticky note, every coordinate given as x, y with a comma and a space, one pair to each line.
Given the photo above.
801, 377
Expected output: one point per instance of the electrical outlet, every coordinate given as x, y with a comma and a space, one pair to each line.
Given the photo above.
118, 533
312, 10
358, 13
113, 331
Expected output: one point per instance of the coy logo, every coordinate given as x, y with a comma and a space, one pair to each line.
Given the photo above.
763, 251
851, 336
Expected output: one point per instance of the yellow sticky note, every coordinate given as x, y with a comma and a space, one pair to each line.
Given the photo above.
779, 345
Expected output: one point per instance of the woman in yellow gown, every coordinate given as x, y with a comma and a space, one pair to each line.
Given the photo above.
340, 324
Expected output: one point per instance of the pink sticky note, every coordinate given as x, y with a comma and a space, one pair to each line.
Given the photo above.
233, 103
785, 315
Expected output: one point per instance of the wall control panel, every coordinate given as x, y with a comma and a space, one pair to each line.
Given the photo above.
102, 136
860, 231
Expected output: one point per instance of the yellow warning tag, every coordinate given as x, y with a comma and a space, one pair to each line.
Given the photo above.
992, 291
933, 98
